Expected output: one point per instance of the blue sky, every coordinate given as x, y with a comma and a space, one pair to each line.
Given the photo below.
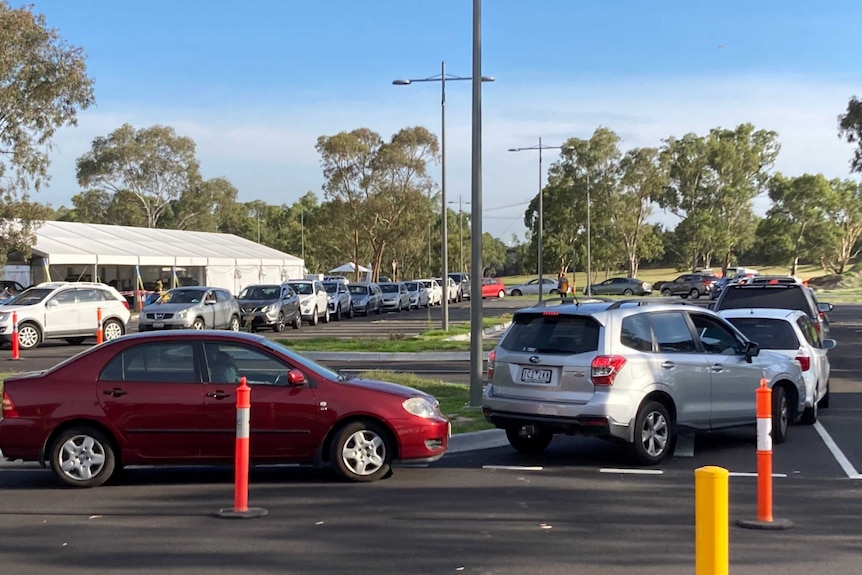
256, 82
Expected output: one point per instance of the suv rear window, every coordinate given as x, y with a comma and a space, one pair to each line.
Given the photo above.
563, 334
766, 332
781, 297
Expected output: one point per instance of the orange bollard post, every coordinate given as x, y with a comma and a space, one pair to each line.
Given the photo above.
99, 334
764, 465
140, 305
240, 509
16, 350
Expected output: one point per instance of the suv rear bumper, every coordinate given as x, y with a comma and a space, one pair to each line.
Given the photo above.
592, 425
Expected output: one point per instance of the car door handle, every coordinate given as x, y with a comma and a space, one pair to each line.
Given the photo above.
218, 394
716, 368
667, 364
116, 392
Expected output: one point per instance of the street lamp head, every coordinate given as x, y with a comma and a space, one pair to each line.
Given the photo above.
488, 78
514, 150
402, 82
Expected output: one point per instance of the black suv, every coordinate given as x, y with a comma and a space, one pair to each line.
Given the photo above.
462, 280
689, 285
782, 292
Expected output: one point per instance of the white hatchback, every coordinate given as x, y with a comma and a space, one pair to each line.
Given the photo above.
64, 310
792, 334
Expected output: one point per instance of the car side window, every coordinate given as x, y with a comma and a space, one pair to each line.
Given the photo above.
672, 334
65, 297
714, 336
808, 330
222, 295
286, 292
228, 362
635, 332
210, 297
153, 363
89, 295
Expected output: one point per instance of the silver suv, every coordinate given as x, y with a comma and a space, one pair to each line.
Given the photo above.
633, 371
192, 308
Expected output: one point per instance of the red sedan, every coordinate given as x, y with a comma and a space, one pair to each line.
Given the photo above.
493, 287
170, 398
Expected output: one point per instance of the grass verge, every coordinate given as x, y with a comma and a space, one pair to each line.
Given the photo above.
454, 398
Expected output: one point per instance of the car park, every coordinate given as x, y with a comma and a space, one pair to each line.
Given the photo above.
395, 296
192, 308
634, 371
313, 300
269, 306
620, 286
689, 285
791, 333
493, 287
366, 297
340, 302
435, 291
531, 287
419, 296
170, 398
64, 310
784, 292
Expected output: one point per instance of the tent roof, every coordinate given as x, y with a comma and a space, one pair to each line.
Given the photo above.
349, 267
80, 243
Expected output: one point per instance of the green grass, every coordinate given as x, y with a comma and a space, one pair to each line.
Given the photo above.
454, 398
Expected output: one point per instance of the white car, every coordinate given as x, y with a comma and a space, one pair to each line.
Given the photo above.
549, 286
792, 334
419, 296
453, 290
313, 300
65, 310
435, 291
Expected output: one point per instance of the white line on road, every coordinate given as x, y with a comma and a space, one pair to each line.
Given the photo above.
512, 468
836, 452
631, 471
750, 474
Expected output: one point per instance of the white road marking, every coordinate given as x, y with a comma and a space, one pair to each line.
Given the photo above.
836, 452
631, 471
750, 474
512, 468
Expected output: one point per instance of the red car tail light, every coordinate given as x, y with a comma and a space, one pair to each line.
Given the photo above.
804, 362
605, 368
8, 406
126, 303
550, 313
491, 357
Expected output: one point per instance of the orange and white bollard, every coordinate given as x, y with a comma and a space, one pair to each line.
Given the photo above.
140, 305
764, 464
16, 349
240, 509
100, 337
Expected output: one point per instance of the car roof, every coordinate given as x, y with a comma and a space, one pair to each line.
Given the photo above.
762, 312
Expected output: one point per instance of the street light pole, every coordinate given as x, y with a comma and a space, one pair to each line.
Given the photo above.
461, 231
476, 269
443, 78
541, 222
589, 258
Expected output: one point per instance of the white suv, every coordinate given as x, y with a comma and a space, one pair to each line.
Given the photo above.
633, 371
313, 300
64, 310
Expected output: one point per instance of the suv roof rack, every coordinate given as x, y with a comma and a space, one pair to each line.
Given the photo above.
570, 300
641, 302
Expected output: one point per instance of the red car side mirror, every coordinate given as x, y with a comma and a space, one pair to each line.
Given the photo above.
295, 377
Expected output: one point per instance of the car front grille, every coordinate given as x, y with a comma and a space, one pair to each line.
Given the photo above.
159, 316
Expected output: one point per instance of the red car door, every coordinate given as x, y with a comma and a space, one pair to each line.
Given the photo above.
153, 396
284, 420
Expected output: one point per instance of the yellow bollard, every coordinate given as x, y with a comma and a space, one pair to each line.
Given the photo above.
711, 521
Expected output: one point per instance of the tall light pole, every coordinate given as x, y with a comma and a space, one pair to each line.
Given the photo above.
476, 269
589, 257
541, 223
461, 230
443, 77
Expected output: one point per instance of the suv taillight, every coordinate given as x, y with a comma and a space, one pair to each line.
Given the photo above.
8, 407
491, 357
605, 368
804, 362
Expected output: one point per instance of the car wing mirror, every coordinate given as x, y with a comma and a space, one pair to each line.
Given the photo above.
829, 343
825, 307
52, 303
751, 350
295, 378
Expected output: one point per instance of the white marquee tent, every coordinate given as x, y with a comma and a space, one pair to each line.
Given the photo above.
350, 267
215, 259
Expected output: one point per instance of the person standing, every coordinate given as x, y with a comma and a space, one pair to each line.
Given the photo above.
563, 285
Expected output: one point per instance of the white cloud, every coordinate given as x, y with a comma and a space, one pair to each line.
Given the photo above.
269, 153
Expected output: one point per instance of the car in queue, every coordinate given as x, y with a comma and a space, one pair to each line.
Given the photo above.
493, 287
338, 297
419, 296
313, 300
366, 298
395, 296
169, 398
192, 308
633, 371
620, 286
435, 290
531, 287
269, 306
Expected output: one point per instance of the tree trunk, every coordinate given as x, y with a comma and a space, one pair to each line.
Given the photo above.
798, 242
693, 259
356, 256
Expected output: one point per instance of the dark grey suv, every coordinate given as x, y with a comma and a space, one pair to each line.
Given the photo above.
462, 280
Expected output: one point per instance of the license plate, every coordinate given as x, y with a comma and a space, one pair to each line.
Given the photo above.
158, 324
529, 375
